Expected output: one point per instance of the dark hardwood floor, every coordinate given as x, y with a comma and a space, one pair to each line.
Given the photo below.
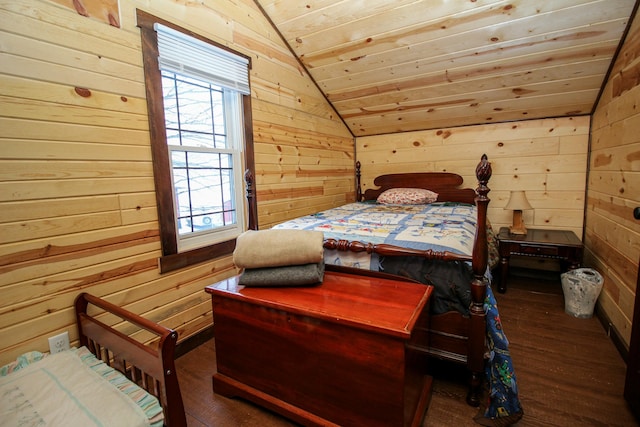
569, 372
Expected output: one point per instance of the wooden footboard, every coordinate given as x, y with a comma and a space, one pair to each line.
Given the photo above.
150, 366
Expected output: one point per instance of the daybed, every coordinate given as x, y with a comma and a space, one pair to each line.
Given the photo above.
457, 335
79, 386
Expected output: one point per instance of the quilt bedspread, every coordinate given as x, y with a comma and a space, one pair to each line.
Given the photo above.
439, 226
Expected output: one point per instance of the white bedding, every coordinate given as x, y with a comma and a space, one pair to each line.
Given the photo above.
62, 390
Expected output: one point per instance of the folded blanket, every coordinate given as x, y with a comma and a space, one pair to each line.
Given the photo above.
275, 248
289, 275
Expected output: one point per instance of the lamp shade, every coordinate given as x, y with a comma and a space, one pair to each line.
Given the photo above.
518, 202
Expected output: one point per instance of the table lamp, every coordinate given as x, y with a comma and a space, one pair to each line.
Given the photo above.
517, 203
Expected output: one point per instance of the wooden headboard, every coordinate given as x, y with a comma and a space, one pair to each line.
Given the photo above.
446, 184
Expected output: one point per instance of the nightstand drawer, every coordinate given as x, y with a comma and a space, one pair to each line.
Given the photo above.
538, 250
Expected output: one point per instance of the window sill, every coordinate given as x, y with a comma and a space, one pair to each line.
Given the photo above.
168, 263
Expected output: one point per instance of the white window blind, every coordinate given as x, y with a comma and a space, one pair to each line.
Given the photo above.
186, 55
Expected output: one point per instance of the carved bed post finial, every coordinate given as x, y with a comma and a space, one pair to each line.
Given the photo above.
358, 187
483, 173
251, 200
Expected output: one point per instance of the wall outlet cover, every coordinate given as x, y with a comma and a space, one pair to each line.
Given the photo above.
58, 343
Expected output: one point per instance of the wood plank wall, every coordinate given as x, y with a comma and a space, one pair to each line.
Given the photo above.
545, 158
612, 236
77, 204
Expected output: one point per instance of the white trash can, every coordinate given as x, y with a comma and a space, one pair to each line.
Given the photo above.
581, 289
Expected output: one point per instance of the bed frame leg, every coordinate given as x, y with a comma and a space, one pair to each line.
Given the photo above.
475, 389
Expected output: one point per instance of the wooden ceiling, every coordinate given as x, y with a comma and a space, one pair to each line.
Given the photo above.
400, 65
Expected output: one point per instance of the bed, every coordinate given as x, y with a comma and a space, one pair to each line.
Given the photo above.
457, 335
454, 336
109, 380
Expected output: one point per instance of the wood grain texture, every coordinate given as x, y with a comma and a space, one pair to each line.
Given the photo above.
372, 375
567, 369
545, 158
409, 65
103, 10
75, 139
612, 236
77, 196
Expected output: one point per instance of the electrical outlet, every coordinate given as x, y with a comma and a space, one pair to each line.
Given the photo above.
59, 343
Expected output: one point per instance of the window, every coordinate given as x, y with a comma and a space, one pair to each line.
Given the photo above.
205, 143
200, 125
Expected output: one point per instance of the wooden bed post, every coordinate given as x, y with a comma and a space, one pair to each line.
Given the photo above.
477, 332
358, 186
252, 204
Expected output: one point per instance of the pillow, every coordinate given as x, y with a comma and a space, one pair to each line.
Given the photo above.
407, 196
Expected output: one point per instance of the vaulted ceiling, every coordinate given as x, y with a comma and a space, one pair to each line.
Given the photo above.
400, 65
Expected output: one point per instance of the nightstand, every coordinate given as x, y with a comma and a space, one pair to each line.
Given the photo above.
557, 244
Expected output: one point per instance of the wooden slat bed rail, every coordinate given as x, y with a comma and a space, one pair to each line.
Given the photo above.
150, 366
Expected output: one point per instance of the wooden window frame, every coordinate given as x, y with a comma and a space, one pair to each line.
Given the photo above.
171, 259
